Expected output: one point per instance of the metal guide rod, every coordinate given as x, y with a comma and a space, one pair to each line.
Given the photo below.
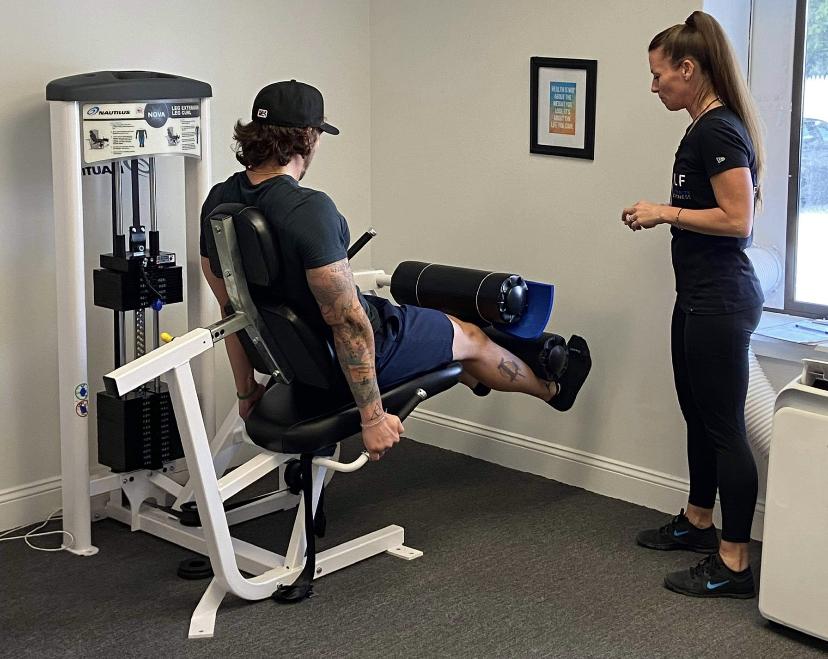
118, 214
136, 194
117, 245
152, 192
156, 329
138, 314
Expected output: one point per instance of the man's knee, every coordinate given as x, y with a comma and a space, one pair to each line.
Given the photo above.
469, 340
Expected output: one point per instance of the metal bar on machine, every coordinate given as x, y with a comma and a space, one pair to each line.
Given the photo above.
152, 191
65, 124
156, 328
119, 339
136, 193
140, 324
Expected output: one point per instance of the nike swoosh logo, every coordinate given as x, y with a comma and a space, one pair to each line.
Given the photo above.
678, 533
713, 586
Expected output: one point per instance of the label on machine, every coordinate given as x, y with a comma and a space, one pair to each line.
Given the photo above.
125, 130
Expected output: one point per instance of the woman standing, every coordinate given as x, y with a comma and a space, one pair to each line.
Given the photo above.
717, 168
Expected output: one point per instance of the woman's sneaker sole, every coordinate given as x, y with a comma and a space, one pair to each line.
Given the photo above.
690, 593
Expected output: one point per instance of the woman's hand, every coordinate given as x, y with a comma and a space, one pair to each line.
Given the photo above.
643, 215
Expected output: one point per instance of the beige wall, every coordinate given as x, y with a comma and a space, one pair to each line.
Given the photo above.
453, 182
237, 47
432, 99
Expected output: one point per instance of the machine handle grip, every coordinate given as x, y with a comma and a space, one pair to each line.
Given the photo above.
345, 467
419, 396
359, 244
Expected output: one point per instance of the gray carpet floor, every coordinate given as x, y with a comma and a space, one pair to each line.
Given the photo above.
515, 566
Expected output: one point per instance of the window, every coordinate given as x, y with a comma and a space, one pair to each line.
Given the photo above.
806, 286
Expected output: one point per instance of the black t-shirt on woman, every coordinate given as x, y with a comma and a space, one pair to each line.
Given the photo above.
713, 273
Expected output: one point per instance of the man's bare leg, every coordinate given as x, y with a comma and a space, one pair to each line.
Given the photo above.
468, 380
486, 362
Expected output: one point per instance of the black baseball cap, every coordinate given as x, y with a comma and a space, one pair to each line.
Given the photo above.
292, 104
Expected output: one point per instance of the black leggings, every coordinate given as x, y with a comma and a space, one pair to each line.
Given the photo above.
710, 366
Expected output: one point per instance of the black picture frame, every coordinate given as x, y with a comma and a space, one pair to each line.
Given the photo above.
537, 64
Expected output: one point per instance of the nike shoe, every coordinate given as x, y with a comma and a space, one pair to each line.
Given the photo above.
712, 578
680, 534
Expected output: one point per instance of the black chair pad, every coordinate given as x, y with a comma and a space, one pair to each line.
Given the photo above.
300, 419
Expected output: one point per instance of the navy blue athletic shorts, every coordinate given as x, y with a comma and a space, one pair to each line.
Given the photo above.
410, 340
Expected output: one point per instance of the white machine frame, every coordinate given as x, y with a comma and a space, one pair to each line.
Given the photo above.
210, 487
67, 152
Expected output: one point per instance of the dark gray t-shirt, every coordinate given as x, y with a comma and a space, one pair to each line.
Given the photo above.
310, 233
713, 273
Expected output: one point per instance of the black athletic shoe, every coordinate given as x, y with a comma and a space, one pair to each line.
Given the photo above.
680, 534
575, 374
712, 578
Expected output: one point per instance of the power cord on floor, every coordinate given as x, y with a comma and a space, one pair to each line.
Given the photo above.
33, 534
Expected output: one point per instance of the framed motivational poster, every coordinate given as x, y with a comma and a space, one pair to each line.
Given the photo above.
562, 110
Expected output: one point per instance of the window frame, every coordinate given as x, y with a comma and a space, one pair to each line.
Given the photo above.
791, 305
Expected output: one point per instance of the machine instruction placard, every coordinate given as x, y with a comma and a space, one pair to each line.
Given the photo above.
140, 129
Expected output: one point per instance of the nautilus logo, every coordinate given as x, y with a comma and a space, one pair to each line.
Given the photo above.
96, 110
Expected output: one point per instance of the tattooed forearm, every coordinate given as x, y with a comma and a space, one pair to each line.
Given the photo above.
377, 411
355, 351
335, 292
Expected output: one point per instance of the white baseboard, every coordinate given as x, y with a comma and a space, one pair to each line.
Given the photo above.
594, 473
30, 503
34, 502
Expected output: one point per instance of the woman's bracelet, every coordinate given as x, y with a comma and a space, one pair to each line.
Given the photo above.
375, 423
249, 394
677, 218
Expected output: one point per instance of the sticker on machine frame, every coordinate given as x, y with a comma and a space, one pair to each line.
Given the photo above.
124, 130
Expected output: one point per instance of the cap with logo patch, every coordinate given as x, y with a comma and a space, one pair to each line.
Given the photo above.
293, 104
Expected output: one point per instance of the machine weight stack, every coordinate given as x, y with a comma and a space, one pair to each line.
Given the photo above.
137, 431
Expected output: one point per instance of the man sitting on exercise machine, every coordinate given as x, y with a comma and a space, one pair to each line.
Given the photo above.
378, 344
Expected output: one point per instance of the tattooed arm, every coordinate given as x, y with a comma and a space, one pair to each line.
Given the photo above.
335, 292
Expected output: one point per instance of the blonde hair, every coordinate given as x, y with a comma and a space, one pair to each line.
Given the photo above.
701, 39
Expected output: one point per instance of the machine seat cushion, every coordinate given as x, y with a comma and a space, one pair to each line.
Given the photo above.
296, 418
